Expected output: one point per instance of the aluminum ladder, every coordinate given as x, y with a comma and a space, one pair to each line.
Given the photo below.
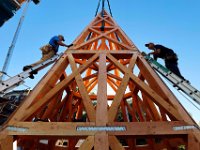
177, 82
18, 79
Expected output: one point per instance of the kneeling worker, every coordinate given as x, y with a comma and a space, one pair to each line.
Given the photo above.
171, 59
48, 51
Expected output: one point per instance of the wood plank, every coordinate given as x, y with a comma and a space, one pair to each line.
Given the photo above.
87, 85
88, 144
82, 89
118, 98
122, 34
115, 144
70, 129
49, 128
52, 106
145, 88
124, 46
101, 141
115, 83
42, 87
7, 143
93, 39
90, 76
92, 86
101, 109
59, 87
151, 128
122, 53
66, 103
112, 86
115, 77
121, 90
193, 144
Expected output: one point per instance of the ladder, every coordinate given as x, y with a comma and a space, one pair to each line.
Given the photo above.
17, 80
177, 82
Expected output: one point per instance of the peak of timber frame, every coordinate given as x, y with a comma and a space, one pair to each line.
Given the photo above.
103, 81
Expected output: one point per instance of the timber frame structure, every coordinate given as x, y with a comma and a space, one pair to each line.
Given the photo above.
103, 67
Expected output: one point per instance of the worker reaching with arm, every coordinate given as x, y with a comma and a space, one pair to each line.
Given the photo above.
170, 58
48, 51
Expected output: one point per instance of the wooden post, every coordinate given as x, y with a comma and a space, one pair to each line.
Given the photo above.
101, 139
6, 143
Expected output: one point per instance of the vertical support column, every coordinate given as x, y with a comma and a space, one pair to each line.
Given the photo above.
101, 138
101, 111
7, 143
193, 144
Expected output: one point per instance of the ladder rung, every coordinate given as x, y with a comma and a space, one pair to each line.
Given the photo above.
181, 84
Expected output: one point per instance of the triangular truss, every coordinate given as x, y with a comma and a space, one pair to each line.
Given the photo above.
101, 94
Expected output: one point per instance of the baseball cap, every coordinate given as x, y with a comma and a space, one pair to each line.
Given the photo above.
147, 45
63, 39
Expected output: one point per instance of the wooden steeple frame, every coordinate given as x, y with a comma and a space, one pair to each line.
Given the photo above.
101, 84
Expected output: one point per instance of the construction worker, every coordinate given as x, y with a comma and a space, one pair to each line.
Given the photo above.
171, 59
48, 51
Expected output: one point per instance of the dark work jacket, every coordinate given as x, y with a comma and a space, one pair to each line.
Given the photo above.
165, 53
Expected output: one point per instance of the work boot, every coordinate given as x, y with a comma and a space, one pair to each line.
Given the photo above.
26, 68
31, 76
34, 72
187, 81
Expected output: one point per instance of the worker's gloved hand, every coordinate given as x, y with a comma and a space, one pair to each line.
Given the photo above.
143, 53
70, 45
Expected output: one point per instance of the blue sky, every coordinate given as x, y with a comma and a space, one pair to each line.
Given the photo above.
172, 23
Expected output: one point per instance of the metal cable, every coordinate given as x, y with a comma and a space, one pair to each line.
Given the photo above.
109, 8
103, 4
97, 8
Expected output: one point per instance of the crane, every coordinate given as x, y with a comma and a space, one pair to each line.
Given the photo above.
11, 10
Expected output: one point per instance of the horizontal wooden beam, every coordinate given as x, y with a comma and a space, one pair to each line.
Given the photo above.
153, 128
127, 52
70, 129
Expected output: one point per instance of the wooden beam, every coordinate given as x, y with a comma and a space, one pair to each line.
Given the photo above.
101, 141
87, 144
144, 88
7, 143
48, 128
42, 88
59, 87
193, 144
82, 89
121, 90
115, 144
101, 110
70, 129
90, 77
